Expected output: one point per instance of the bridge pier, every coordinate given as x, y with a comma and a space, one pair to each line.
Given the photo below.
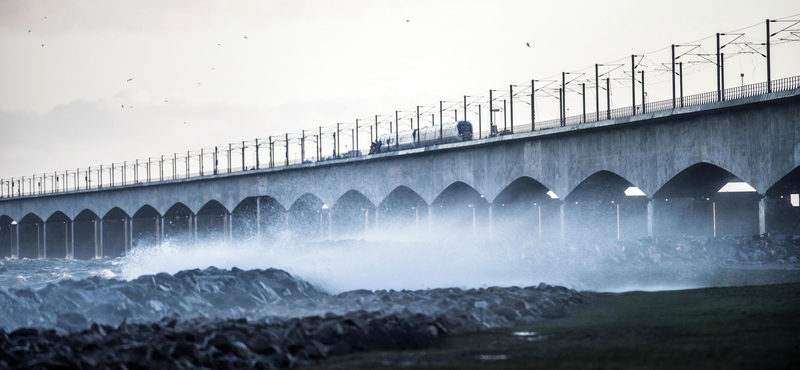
651, 206
43, 251
71, 250
762, 215
562, 221
258, 220
99, 248
126, 235
491, 220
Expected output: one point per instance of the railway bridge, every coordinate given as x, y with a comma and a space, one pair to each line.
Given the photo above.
657, 173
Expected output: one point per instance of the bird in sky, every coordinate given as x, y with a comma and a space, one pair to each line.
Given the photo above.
42, 45
219, 44
165, 101
528, 43
29, 31
122, 105
246, 37
407, 20
130, 79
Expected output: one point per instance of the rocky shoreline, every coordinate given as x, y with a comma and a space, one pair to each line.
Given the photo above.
369, 321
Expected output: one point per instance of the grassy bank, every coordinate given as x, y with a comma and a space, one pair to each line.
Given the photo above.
752, 327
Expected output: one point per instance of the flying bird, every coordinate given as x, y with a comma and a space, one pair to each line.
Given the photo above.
165, 101
528, 43
246, 37
29, 31
122, 105
42, 45
219, 44
130, 79
406, 20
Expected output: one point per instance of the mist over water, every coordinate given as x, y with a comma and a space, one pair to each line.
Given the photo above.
338, 266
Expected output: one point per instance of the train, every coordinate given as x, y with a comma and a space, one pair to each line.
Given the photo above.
452, 132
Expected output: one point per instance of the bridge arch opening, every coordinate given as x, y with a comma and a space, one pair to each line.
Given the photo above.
693, 202
114, 233
178, 224
144, 228
526, 209
254, 215
31, 236
459, 211
780, 208
350, 214
402, 212
212, 222
6, 236
56, 244
86, 226
309, 218
602, 207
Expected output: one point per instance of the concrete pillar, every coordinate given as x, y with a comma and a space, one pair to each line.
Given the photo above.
430, 219
330, 224
99, 252
71, 250
38, 241
714, 216
44, 249
474, 223
230, 227
562, 221
540, 221
17, 255
66, 239
132, 234
125, 237
258, 220
225, 224
416, 222
161, 228
762, 216
618, 233
158, 230
491, 220
194, 229
94, 224
651, 215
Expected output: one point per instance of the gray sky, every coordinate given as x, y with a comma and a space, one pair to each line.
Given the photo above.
311, 63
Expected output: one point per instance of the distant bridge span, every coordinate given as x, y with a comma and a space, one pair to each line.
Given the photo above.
668, 154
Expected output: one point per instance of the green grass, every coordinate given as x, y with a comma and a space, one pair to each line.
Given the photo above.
752, 327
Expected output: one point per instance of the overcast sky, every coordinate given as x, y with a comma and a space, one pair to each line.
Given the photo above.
65, 99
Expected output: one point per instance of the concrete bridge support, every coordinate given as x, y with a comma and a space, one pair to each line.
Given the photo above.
6, 236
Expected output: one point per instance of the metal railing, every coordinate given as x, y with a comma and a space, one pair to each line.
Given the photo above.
178, 166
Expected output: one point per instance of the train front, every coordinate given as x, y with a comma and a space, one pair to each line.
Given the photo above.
464, 130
